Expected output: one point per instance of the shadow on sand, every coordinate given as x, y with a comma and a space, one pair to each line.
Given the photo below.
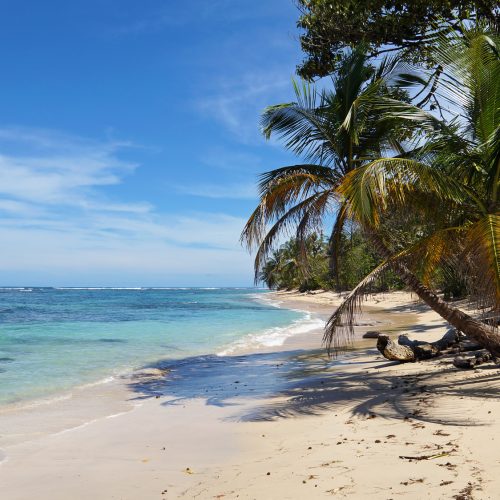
271, 386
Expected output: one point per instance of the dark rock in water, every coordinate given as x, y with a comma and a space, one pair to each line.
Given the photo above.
372, 334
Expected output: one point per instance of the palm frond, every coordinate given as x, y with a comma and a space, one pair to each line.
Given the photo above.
358, 112
310, 174
370, 188
339, 329
483, 244
393, 109
302, 125
257, 233
425, 255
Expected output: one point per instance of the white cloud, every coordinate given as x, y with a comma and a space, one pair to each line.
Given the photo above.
50, 168
56, 221
149, 21
104, 251
19, 208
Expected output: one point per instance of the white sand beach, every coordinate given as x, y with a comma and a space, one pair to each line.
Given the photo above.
359, 427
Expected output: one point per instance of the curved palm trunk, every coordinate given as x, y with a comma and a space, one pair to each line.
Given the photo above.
474, 329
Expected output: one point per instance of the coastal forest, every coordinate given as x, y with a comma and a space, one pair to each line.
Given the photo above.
395, 128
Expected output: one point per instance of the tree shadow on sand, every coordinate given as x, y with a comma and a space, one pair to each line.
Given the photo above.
305, 383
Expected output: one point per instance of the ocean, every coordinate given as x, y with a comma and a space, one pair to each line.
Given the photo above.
53, 339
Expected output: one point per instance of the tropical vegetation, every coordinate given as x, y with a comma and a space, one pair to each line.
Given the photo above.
411, 157
283, 270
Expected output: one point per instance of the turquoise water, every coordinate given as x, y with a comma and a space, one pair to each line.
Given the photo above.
54, 339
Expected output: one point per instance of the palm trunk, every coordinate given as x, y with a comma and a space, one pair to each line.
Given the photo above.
333, 264
333, 247
474, 329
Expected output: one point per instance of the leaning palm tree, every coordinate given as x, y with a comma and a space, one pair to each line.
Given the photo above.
459, 167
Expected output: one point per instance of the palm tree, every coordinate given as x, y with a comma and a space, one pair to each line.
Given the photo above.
459, 167
271, 271
334, 132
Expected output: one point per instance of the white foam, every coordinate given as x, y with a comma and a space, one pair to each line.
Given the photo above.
266, 299
16, 289
105, 380
274, 337
65, 395
90, 422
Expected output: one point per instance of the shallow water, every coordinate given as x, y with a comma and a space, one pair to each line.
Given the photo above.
54, 339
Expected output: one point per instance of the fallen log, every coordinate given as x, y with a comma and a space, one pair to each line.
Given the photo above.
448, 339
406, 350
466, 347
467, 362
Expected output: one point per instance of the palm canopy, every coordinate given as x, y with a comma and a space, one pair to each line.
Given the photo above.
334, 131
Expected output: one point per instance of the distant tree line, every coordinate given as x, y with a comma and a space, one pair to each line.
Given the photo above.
289, 269
285, 269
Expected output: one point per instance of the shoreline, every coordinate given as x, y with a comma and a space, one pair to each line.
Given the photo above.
218, 425
124, 376
78, 406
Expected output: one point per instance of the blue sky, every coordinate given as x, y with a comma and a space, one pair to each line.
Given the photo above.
129, 140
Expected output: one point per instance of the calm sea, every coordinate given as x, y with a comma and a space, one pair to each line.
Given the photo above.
52, 339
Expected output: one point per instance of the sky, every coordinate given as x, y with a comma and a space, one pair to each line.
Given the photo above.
129, 137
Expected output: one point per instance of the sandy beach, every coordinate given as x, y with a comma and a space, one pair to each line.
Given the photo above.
276, 423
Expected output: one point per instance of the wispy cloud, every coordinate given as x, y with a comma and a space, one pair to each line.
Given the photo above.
228, 191
55, 215
194, 12
238, 102
46, 167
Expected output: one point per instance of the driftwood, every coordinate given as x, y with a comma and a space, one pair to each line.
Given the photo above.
469, 346
476, 359
469, 354
394, 351
406, 350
